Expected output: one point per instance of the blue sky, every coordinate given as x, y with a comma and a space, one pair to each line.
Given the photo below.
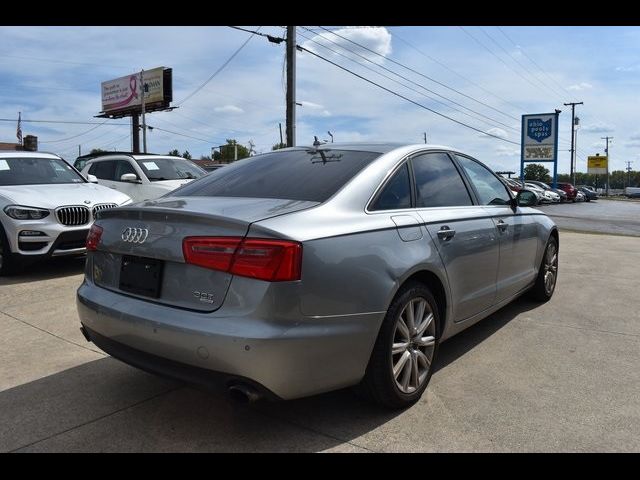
54, 73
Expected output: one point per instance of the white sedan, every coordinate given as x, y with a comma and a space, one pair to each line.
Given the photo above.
142, 176
46, 208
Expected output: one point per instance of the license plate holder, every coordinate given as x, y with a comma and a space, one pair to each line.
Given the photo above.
141, 276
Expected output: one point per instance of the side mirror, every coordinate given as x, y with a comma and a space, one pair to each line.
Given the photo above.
526, 198
92, 178
130, 177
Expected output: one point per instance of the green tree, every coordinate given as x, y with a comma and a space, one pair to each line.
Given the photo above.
535, 171
97, 150
186, 155
227, 152
278, 146
174, 153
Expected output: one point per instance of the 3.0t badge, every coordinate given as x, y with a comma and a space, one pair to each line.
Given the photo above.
134, 235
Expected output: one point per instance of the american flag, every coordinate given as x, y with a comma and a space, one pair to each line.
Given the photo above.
19, 130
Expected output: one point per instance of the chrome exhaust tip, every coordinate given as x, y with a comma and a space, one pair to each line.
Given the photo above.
242, 393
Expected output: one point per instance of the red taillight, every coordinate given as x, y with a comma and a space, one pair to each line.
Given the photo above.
264, 259
93, 238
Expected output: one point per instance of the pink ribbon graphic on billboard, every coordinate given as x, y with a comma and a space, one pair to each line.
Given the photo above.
133, 87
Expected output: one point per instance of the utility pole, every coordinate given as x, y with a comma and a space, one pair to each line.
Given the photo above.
425, 137
291, 86
235, 151
629, 173
606, 152
281, 143
144, 124
135, 133
80, 151
573, 119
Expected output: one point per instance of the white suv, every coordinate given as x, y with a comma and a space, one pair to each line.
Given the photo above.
46, 208
142, 176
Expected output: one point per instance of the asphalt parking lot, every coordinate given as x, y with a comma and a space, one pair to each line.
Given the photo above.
616, 217
563, 376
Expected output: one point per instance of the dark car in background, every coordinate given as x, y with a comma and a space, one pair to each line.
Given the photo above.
546, 186
589, 192
570, 190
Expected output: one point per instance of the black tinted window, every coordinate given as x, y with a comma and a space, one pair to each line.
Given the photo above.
396, 193
438, 183
36, 171
104, 170
490, 190
296, 175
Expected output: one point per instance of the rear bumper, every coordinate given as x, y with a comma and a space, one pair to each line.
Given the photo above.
288, 358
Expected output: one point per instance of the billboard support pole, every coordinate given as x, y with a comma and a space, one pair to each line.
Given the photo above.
144, 123
135, 132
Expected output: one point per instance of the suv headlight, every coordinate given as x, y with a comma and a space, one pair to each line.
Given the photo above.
25, 213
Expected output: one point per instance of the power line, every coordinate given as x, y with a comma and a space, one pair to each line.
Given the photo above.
533, 61
183, 135
74, 136
424, 76
222, 67
495, 55
407, 79
56, 121
443, 65
408, 87
405, 98
545, 85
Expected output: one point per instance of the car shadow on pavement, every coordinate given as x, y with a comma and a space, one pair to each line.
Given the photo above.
105, 405
46, 270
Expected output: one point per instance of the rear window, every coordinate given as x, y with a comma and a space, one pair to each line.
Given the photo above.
293, 175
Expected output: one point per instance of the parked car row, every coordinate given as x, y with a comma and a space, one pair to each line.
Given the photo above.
565, 192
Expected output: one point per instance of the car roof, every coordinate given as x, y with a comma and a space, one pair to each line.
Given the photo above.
135, 156
29, 154
374, 147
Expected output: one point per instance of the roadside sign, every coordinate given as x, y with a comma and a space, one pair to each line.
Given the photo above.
597, 164
540, 140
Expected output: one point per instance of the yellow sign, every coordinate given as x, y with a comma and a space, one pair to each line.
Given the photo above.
597, 164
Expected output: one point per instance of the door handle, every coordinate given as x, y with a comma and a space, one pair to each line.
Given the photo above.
502, 225
446, 233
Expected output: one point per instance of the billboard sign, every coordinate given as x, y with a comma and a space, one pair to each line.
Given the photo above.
124, 94
597, 164
539, 137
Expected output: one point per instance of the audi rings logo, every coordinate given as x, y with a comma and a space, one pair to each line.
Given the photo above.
134, 235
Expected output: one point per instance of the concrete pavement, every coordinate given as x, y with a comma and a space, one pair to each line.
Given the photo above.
562, 376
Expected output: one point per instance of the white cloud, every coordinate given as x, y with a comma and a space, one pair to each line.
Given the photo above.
376, 39
497, 132
630, 68
228, 109
580, 86
311, 104
504, 151
598, 127
635, 136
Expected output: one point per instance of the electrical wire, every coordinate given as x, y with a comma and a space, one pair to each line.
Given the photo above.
408, 87
409, 80
222, 67
405, 98
423, 75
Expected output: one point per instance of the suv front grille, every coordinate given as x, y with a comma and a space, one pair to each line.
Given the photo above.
102, 206
73, 215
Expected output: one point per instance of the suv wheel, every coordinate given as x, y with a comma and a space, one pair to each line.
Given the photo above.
401, 364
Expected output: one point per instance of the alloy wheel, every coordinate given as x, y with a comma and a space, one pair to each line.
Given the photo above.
413, 345
550, 268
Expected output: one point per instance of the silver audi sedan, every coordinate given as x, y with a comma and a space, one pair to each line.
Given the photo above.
310, 269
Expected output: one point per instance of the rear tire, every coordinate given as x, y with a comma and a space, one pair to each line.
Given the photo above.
8, 260
545, 285
401, 363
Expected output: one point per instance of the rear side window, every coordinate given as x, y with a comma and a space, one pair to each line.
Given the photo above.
104, 170
396, 193
296, 175
438, 183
